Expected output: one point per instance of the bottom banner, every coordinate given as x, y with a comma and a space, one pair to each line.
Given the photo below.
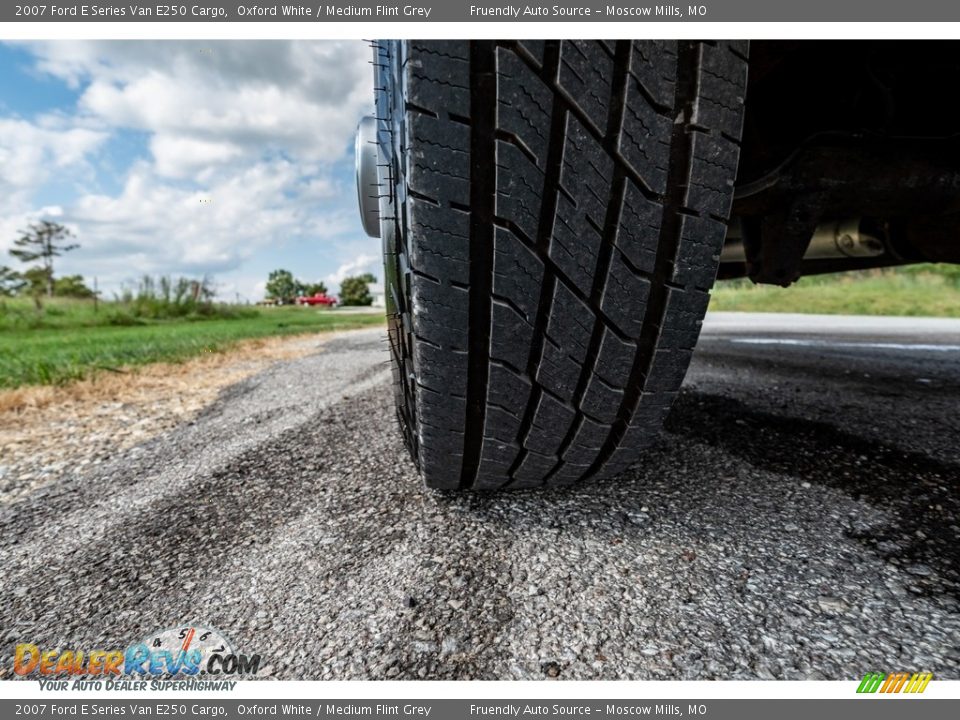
874, 708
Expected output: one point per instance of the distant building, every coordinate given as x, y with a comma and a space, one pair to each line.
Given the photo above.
376, 292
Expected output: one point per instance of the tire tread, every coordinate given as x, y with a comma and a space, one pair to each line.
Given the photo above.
593, 238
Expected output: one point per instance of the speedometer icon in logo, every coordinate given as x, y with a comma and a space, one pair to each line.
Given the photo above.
199, 641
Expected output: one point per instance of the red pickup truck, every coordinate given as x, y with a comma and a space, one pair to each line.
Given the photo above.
318, 299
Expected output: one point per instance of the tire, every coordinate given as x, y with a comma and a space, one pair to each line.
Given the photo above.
552, 215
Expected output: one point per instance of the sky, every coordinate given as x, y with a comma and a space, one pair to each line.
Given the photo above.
224, 158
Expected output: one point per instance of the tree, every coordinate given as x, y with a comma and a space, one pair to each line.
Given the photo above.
71, 286
282, 286
354, 290
43, 241
314, 288
36, 281
11, 282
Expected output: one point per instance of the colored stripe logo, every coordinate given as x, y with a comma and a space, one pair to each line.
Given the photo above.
895, 683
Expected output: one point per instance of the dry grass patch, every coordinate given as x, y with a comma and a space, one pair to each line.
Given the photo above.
45, 430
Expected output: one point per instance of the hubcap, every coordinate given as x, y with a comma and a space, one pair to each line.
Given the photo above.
368, 182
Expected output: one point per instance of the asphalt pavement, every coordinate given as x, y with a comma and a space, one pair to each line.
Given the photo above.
798, 518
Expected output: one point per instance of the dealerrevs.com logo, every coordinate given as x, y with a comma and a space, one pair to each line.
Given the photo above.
174, 658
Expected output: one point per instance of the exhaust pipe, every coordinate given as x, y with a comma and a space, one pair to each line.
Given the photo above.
852, 238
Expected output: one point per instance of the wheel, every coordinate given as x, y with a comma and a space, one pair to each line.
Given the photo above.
552, 215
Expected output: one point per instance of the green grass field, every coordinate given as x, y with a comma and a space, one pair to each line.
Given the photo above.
915, 291
67, 341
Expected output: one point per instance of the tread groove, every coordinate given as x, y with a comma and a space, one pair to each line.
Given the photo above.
609, 232
548, 211
681, 153
483, 86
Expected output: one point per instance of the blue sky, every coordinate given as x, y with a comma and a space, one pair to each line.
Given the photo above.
227, 158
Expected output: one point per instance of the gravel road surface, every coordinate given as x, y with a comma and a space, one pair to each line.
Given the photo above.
797, 519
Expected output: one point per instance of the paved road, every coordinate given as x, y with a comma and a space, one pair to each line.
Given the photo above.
797, 519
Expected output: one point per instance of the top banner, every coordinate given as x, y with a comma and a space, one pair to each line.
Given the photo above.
463, 11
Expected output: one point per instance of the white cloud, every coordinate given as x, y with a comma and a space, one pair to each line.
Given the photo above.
184, 230
304, 97
31, 154
183, 157
357, 266
248, 144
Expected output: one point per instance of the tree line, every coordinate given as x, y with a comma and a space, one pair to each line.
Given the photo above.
44, 241
283, 287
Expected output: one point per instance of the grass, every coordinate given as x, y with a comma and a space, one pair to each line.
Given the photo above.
67, 341
922, 290
20, 313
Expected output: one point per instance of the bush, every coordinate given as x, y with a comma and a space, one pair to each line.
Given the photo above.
354, 290
168, 298
71, 286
